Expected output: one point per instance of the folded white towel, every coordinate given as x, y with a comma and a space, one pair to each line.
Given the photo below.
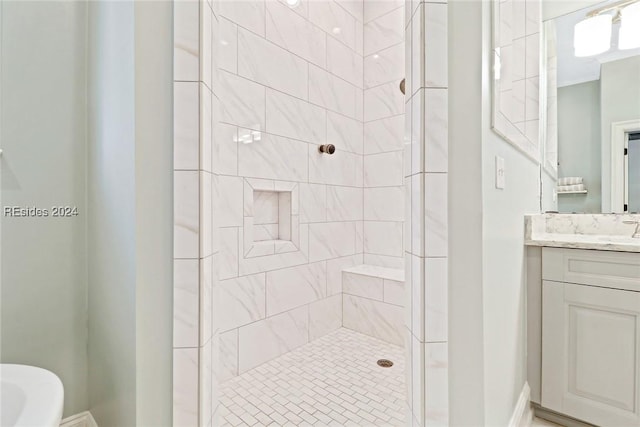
568, 188
570, 180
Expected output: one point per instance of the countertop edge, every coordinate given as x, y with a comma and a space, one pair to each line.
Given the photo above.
600, 246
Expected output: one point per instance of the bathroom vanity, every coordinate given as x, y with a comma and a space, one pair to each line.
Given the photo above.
583, 301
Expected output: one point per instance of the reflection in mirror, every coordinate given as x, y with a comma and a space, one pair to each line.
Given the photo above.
592, 62
516, 72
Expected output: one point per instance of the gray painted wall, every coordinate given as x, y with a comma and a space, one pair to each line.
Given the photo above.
504, 288
111, 203
487, 322
466, 358
87, 121
503, 283
154, 212
43, 134
620, 100
131, 204
579, 148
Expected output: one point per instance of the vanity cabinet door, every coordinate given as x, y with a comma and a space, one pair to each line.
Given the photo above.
591, 353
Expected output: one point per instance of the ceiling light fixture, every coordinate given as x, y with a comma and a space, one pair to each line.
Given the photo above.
629, 36
336, 30
592, 36
293, 3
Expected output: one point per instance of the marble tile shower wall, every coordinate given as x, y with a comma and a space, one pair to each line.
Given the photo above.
383, 132
291, 78
257, 87
196, 329
365, 307
426, 235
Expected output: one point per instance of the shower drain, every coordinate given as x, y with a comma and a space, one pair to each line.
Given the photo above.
385, 363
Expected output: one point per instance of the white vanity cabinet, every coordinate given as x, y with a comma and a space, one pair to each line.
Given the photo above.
590, 366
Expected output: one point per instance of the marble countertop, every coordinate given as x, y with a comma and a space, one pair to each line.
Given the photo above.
586, 241
604, 232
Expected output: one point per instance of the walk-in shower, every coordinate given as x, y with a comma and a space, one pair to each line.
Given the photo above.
289, 171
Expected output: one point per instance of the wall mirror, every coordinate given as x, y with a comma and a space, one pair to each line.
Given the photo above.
516, 72
591, 105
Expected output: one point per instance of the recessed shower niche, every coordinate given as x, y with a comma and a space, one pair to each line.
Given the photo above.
271, 215
271, 224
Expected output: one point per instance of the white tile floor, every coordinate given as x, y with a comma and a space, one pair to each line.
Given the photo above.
332, 381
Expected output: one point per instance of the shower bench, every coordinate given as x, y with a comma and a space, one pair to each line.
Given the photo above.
373, 300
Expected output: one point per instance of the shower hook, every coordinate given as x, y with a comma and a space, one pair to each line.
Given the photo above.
327, 148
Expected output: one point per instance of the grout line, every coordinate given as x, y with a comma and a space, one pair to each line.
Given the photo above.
269, 133
284, 312
385, 83
200, 198
384, 117
288, 94
402, 43
372, 299
402, 6
348, 12
325, 262
325, 68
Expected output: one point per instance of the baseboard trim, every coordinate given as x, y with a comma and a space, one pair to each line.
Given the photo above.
83, 419
557, 418
522, 414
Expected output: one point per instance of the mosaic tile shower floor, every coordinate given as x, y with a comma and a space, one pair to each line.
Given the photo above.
332, 381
